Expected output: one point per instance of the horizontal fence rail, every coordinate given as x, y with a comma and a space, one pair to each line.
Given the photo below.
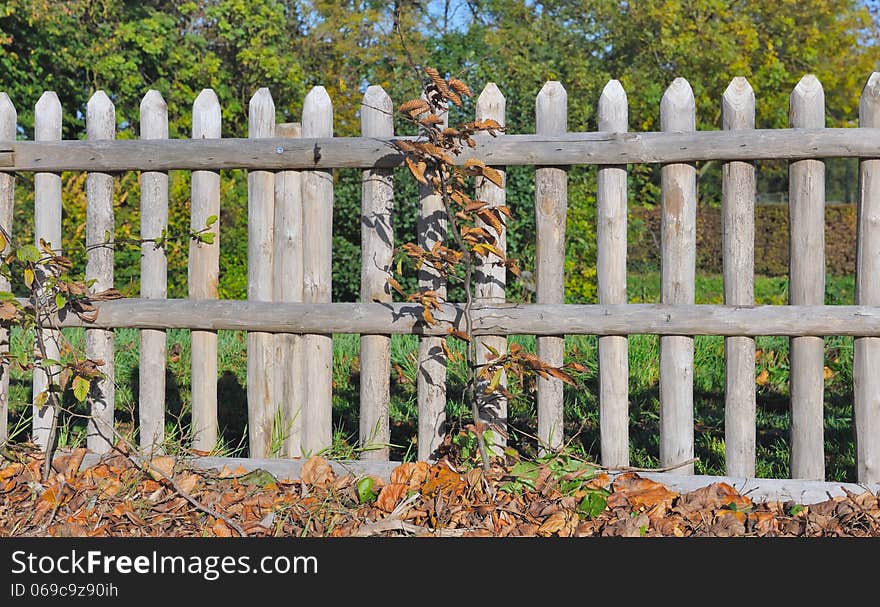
276, 154
290, 317
506, 319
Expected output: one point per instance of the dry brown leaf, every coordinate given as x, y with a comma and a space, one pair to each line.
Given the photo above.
228, 472
643, 493
161, 467
220, 528
316, 471
188, 482
412, 474
390, 495
11, 470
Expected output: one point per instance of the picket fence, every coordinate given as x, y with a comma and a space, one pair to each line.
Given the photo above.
290, 318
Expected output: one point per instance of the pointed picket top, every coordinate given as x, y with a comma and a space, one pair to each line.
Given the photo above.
806, 108
551, 109
869, 104
47, 117
738, 105
377, 113
100, 117
8, 118
154, 116
677, 107
613, 108
261, 115
317, 116
491, 104
206, 117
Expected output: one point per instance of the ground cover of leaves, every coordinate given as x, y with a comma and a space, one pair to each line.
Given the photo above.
554, 496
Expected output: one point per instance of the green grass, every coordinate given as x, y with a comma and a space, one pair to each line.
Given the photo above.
581, 405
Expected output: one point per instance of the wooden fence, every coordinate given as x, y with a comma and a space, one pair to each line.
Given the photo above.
290, 318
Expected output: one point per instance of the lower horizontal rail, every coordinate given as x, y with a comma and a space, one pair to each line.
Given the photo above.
507, 319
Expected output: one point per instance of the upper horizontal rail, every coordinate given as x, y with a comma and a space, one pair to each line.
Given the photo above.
504, 150
497, 319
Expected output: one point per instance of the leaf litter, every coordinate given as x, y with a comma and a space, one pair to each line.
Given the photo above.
552, 496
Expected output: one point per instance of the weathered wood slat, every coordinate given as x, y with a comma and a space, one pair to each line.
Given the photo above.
377, 244
807, 286
8, 121
551, 201
154, 280
47, 227
317, 121
866, 354
491, 278
261, 225
100, 125
678, 236
611, 223
288, 268
362, 153
738, 192
507, 319
432, 226
204, 274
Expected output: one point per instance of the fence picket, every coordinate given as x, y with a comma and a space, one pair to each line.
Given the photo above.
100, 125
551, 200
154, 280
491, 278
288, 267
377, 244
611, 223
204, 274
432, 227
677, 268
8, 120
317, 121
866, 354
807, 286
47, 227
738, 192
261, 221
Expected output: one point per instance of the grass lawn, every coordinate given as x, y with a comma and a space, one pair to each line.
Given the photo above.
581, 405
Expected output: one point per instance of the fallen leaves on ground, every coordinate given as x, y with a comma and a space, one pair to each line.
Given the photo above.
117, 498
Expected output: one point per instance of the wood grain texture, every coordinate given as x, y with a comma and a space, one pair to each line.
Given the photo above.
611, 224
47, 227
261, 367
866, 353
677, 267
8, 121
432, 226
204, 274
377, 244
288, 269
551, 200
510, 150
738, 192
317, 121
154, 280
490, 277
807, 286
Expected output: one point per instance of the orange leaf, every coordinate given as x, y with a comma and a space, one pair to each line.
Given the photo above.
390, 495
418, 170
162, 467
494, 176
316, 471
220, 529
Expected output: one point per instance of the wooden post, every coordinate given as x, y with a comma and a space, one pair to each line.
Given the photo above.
866, 355
288, 267
8, 120
261, 226
377, 244
431, 375
154, 279
611, 223
551, 200
491, 278
677, 267
317, 121
204, 274
807, 286
738, 187
100, 228
47, 227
